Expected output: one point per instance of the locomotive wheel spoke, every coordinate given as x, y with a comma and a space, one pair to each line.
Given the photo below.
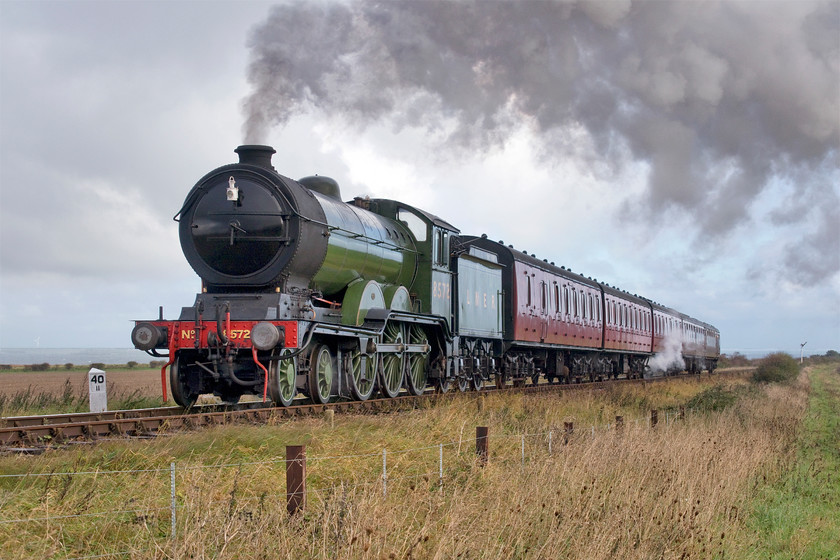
281, 380
321, 374
179, 386
393, 364
363, 380
418, 364
442, 386
463, 383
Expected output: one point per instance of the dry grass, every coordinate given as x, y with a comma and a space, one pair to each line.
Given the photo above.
677, 491
50, 392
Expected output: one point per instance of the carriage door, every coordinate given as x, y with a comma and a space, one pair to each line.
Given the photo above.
544, 305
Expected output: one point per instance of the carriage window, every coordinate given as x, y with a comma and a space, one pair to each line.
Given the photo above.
529, 288
543, 297
557, 308
414, 223
575, 300
566, 305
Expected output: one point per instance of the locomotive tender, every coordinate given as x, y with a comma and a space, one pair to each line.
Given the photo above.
304, 293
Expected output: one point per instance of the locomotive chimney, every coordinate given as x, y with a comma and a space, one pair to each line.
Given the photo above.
255, 154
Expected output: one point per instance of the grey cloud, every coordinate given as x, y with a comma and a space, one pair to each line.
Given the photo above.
718, 98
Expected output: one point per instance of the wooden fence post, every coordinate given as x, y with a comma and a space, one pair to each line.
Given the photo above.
295, 478
654, 418
568, 429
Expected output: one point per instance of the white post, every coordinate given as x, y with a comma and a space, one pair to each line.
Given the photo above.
384, 473
97, 392
172, 497
549, 442
440, 466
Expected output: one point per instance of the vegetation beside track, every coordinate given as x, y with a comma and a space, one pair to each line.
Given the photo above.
798, 515
711, 485
31, 394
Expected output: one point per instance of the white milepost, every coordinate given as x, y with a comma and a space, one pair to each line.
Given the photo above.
96, 389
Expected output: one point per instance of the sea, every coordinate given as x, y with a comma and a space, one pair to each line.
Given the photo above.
75, 356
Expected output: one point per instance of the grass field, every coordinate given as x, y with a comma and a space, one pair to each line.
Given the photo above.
750, 473
59, 391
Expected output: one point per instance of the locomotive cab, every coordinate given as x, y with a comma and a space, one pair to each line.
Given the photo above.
431, 291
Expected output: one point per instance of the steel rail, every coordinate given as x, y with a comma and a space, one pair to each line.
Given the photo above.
48, 430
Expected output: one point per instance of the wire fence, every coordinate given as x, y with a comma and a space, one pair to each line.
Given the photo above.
162, 505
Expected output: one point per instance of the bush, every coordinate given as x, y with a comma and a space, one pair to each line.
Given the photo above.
131, 365
776, 368
713, 399
734, 360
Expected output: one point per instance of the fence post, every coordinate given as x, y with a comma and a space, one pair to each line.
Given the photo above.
295, 478
549, 442
523, 451
384, 472
172, 498
654, 418
568, 430
481, 435
619, 423
440, 466
681, 414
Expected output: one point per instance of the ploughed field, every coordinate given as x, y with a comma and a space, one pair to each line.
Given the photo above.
145, 381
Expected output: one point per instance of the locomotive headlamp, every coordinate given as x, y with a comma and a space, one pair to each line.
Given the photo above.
147, 336
265, 336
232, 190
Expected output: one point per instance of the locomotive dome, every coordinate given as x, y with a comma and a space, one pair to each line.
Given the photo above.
242, 225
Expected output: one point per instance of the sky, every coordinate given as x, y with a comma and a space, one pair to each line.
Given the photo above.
688, 152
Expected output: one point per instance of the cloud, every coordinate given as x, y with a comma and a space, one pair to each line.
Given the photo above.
718, 99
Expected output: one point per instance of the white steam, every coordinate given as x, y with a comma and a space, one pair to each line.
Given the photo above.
670, 357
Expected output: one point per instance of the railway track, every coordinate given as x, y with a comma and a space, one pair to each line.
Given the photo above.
38, 432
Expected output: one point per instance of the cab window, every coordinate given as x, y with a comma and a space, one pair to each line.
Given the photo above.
414, 223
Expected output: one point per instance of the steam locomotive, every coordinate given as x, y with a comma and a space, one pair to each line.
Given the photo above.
303, 293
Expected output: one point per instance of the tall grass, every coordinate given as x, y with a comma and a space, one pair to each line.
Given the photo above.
677, 491
32, 401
